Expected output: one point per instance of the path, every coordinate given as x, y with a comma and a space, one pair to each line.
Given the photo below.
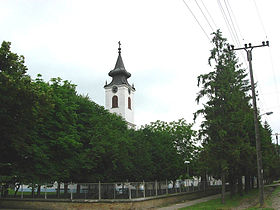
190, 202
276, 201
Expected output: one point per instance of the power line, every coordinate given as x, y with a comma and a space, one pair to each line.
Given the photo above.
197, 21
259, 15
226, 21
232, 30
237, 25
204, 16
270, 53
209, 14
274, 76
233, 27
235, 22
271, 60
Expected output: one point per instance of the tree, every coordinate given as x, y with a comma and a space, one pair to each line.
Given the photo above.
223, 128
16, 98
271, 160
172, 144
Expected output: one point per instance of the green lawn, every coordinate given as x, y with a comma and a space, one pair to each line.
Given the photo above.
234, 202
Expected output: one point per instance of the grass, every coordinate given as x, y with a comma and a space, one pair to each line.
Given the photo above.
268, 201
29, 193
230, 203
274, 193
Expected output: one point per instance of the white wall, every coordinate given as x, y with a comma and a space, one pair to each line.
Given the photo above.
122, 110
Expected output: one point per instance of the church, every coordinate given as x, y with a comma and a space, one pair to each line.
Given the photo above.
119, 94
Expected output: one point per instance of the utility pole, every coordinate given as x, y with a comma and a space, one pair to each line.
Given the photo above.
248, 48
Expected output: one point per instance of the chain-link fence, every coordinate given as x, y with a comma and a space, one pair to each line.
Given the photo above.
99, 191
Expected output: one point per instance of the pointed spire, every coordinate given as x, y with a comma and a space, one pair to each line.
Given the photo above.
119, 74
119, 63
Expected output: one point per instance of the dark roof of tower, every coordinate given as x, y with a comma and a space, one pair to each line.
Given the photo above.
119, 74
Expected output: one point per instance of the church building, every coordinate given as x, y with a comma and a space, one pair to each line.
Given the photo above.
119, 94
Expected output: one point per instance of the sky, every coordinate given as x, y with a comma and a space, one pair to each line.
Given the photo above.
165, 47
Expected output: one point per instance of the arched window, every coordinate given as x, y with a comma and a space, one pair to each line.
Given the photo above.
115, 102
129, 103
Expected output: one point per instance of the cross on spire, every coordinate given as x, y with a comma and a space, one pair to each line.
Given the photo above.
119, 47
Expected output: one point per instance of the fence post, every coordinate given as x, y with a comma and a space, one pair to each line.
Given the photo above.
144, 190
45, 187
115, 186
166, 186
71, 191
129, 191
156, 187
193, 185
21, 196
99, 190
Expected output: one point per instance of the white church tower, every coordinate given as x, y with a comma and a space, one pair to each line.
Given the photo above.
119, 94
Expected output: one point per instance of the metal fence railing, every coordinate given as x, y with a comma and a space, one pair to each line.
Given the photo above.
100, 191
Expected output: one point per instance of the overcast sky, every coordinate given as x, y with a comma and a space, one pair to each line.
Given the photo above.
163, 47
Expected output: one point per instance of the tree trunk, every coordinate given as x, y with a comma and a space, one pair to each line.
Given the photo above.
232, 185
39, 191
17, 188
252, 182
223, 187
58, 190
203, 181
5, 191
65, 188
78, 189
240, 186
33, 191
247, 183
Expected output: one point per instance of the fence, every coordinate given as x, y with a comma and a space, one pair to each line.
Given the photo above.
101, 191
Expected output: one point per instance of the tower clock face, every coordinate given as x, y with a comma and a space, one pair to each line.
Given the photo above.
114, 89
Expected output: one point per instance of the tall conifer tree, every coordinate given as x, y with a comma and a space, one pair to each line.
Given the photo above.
226, 92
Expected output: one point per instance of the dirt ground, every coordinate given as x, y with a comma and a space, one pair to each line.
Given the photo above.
276, 201
254, 202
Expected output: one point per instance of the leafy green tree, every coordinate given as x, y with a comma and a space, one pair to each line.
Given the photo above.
171, 144
181, 134
17, 100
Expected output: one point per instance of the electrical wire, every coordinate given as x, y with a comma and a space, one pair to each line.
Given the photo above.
204, 16
226, 21
209, 14
232, 23
235, 20
197, 20
270, 53
274, 77
259, 15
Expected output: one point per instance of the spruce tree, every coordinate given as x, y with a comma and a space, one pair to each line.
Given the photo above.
227, 102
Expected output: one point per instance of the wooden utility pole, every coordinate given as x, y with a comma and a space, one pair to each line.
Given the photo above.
248, 48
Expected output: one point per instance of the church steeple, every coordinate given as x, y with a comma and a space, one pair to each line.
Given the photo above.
119, 74
119, 94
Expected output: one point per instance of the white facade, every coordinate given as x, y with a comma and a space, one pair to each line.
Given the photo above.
124, 92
